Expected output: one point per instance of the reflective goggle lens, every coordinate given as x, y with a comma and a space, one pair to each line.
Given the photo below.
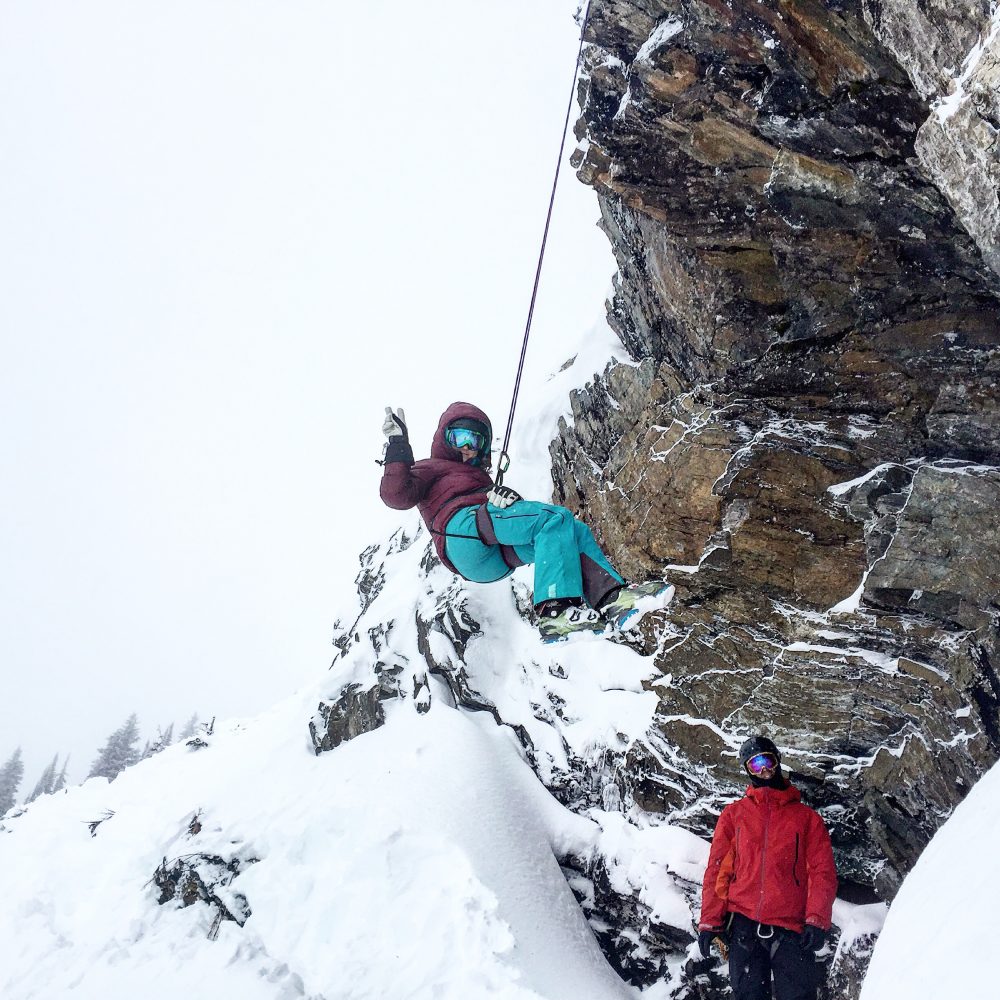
462, 437
762, 762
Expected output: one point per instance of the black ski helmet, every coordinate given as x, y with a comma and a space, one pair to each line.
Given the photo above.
471, 424
756, 745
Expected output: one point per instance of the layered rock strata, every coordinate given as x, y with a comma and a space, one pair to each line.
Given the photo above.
808, 445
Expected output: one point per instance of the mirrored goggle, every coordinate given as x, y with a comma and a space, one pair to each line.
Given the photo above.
462, 437
762, 762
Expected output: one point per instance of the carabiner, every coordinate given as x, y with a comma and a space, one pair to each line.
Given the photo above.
503, 464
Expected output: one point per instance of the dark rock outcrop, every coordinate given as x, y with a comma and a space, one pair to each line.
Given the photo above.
205, 878
358, 710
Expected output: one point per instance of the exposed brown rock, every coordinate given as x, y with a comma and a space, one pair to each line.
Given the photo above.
805, 276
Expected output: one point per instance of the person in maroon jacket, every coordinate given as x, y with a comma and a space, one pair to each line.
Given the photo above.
483, 532
769, 885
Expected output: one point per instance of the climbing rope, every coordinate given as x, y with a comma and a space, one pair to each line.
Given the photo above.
504, 461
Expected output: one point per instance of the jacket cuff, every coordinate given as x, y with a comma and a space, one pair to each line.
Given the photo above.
398, 450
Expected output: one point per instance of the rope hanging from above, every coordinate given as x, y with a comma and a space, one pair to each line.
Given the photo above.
504, 460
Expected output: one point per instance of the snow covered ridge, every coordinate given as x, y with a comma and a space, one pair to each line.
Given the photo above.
421, 858
418, 860
571, 712
415, 862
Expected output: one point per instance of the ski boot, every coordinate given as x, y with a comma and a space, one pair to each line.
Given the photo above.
633, 602
563, 618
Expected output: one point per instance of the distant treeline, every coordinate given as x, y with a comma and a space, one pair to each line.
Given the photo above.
121, 750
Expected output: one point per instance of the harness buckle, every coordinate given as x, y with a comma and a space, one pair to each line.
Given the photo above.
768, 935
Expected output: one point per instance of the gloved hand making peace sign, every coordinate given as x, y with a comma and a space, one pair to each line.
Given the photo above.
394, 424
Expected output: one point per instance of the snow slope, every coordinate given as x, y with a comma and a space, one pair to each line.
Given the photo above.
415, 861
941, 926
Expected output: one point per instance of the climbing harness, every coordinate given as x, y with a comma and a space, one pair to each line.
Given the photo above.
503, 462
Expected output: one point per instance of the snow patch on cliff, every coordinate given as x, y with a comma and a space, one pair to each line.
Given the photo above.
661, 34
946, 107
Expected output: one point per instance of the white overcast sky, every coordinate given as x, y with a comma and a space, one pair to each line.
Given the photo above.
231, 232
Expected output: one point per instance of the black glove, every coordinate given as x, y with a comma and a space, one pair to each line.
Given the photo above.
398, 448
814, 938
503, 496
705, 939
394, 424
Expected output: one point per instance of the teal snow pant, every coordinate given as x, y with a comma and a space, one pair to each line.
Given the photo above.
568, 561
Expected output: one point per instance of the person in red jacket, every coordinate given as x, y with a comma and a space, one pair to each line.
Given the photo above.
769, 885
483, 532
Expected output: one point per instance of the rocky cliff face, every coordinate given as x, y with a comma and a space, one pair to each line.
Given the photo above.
803, 205
951, 52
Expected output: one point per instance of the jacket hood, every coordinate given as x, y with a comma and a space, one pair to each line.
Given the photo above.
777, 796
440, 448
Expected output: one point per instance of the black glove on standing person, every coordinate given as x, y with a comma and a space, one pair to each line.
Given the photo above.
814, 938
705, 939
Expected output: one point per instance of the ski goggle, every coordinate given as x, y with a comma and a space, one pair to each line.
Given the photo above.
463, 437
762, 762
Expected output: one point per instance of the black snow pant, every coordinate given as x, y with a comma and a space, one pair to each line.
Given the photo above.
753, 961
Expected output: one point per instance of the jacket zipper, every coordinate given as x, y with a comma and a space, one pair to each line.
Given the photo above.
795, 863
763, 855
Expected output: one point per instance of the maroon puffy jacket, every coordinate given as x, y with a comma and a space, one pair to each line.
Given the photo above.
438, 486
771, 860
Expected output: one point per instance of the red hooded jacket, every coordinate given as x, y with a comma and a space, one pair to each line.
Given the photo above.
771, 860
438, 486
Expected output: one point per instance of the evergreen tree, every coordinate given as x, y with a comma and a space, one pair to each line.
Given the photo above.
60, 782
164, 737
119, 752
10, 779
46, 783
189, 727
